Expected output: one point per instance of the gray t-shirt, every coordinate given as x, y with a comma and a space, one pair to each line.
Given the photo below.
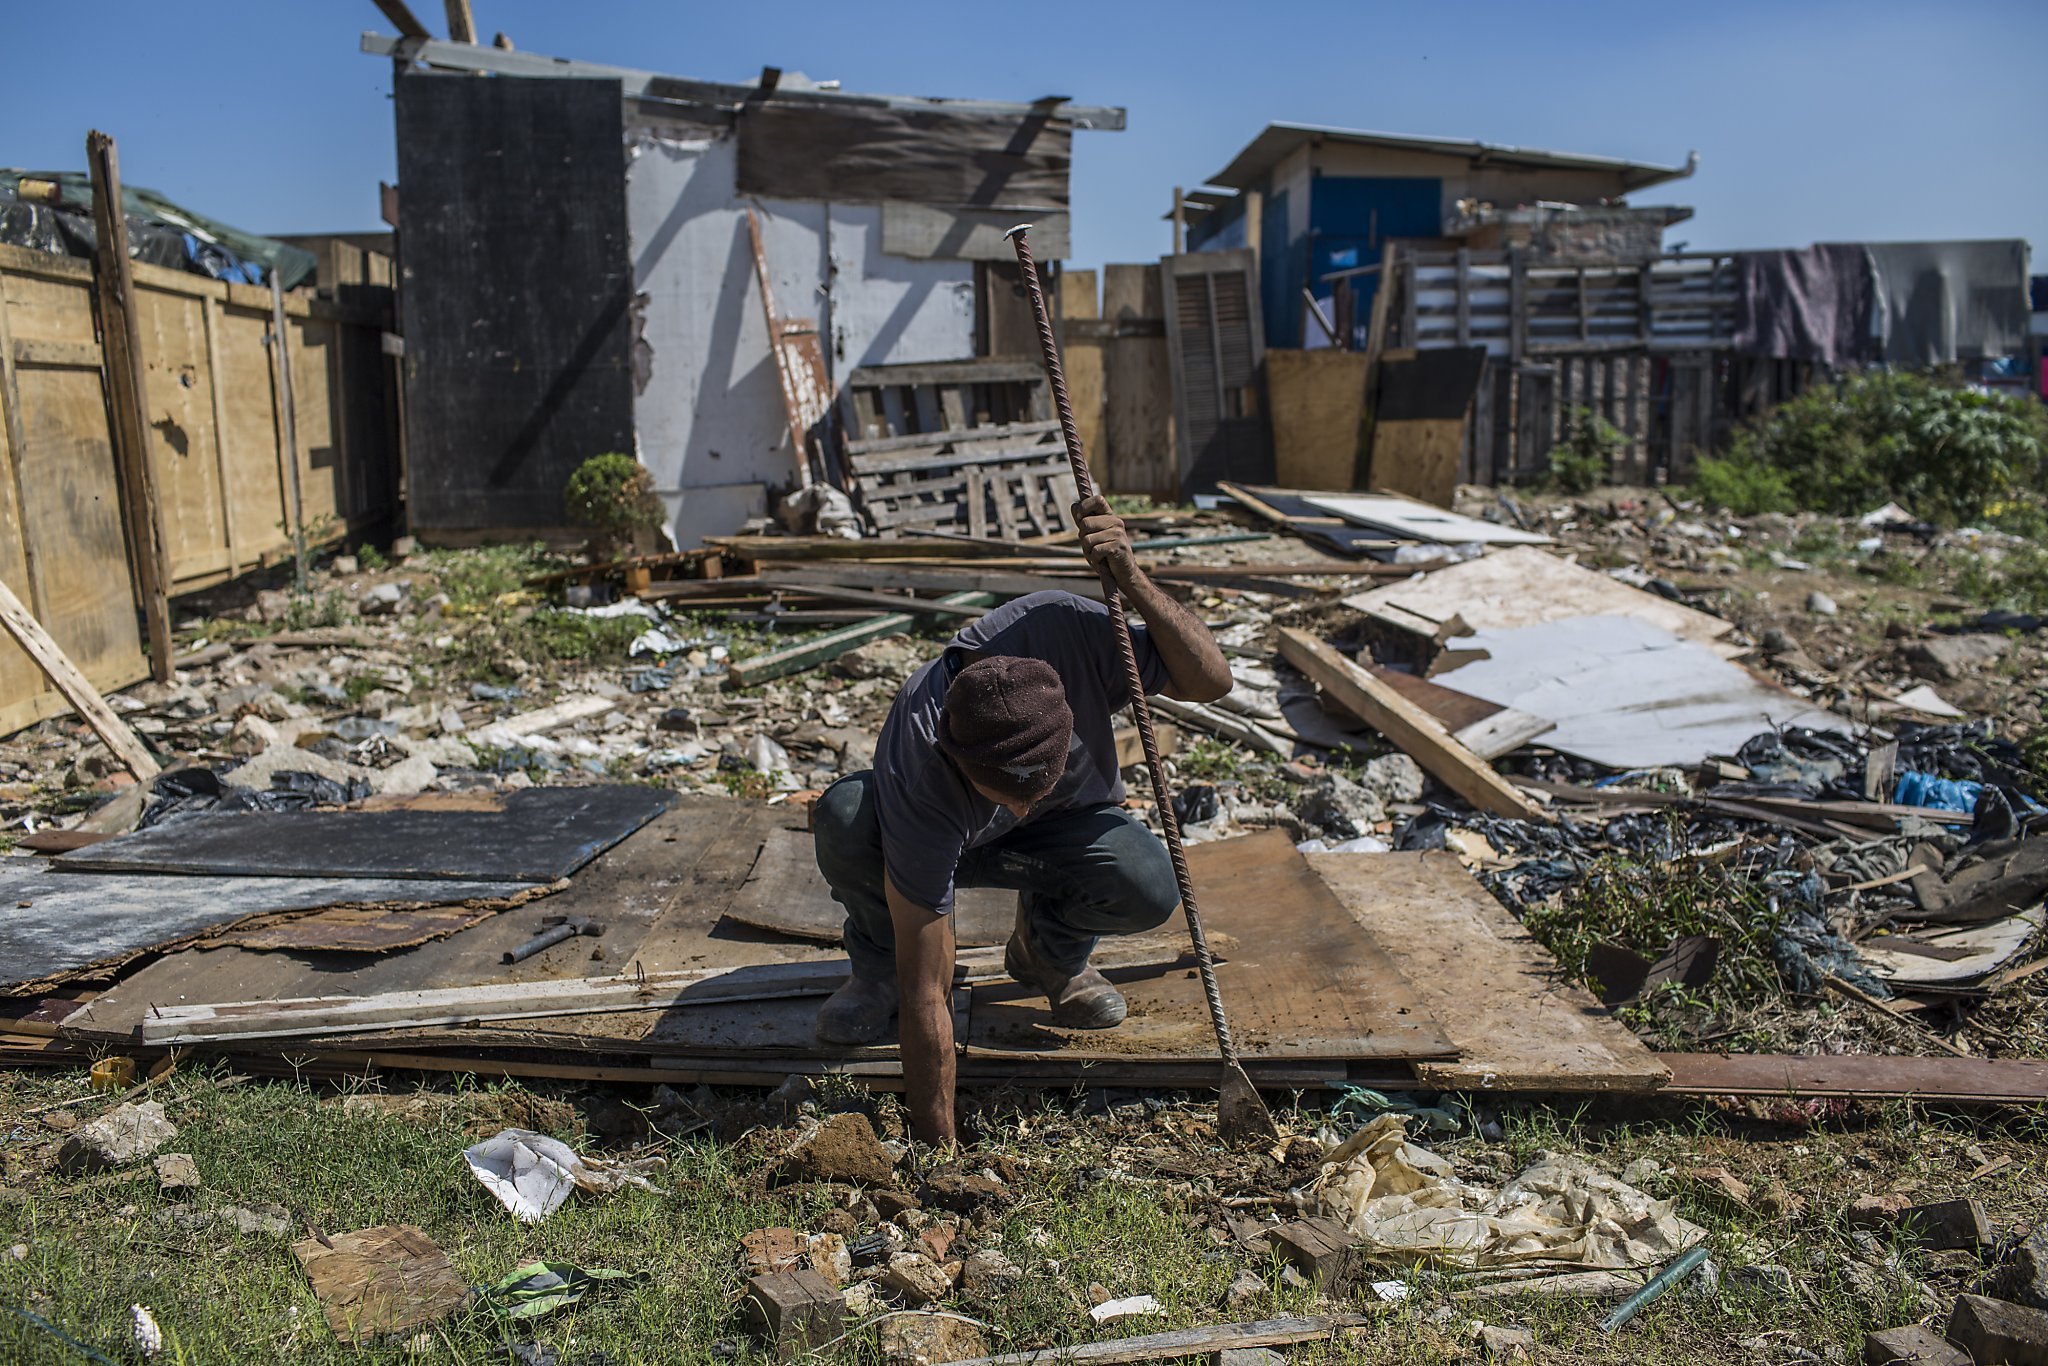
929, 812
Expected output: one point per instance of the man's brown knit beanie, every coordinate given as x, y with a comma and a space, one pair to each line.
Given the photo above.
1006, 723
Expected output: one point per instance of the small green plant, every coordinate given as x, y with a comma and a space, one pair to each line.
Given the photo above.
307, 611
475, 579
372, 559
2016, 579
614, 495
359, 686
1584, 460
1743, 486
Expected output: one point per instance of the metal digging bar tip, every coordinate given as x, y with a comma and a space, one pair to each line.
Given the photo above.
1241, 1114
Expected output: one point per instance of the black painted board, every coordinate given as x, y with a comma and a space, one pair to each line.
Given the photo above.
795, 151
542, 834
517, 289
1436, 385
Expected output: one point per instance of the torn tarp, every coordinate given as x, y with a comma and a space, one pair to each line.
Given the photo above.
1406, 1205
160, 232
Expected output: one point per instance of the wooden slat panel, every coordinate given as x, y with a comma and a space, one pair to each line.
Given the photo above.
179, 416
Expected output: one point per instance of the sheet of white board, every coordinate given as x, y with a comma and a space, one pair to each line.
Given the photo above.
1628, 694
1419, 521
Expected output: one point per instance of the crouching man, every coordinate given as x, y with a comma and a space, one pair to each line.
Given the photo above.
997, 768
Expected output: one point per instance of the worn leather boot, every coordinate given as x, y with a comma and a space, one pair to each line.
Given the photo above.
859, 1012
1080, 1000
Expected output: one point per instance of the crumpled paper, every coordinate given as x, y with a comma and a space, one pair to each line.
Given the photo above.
532, 1174
1406, 1204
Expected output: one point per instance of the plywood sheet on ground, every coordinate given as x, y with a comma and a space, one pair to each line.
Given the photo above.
1495, 992
1304, 982
787, 894
52, 922
1524, 586
541, 834
684, 861
1301, 981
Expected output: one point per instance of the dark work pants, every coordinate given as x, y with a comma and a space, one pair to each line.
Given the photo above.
1091, 871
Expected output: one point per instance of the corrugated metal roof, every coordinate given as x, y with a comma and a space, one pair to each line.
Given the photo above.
1277, 140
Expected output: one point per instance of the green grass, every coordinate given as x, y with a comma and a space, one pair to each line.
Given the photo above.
1126, 1203
474, 579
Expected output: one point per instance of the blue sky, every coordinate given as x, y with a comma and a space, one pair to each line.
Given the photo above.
1814, 121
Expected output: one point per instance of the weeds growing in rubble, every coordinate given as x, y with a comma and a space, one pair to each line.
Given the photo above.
1123, 1199
1643, 904
1945, 451
476, 579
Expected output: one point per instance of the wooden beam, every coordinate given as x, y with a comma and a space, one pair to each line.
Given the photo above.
288, 440
403, 19
66, 679
308, 1016
461, 25
865, 597
827, 648
121, 338
1407, 725
1183, 1342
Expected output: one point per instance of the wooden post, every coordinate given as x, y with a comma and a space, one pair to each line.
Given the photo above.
1180, 222
461, 26
288, 409
121, 341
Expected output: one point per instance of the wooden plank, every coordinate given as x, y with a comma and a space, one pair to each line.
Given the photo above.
1183, 1342
461, 27
1003, 582
747, 672
61, 354
402, 19
1497, 994
65, 677
1486, 728
126, 386
1781, 1076
216, 392
288, 427
307, 1017
894, 602
1407, 725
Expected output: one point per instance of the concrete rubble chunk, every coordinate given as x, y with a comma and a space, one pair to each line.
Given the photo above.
176, 1172
1914, 1345
127, 1133
2024, 1280
917, 1278
1507, 1344
1247, 1292
842, 1148
384, 599
1247, 1356
989, 1273
929, 1340
1996, 1331
1393, 778
1950, 658
1341, 807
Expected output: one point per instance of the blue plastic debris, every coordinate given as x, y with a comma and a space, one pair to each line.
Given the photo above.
1942, 794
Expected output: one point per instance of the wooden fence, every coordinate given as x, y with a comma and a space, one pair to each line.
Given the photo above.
215, 442
1646, 345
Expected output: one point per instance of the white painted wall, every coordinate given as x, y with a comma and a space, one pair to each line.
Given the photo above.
708, 416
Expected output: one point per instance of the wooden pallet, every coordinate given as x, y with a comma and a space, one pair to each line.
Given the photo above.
966, 445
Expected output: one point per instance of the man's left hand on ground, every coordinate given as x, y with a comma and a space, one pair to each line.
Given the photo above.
1105, 539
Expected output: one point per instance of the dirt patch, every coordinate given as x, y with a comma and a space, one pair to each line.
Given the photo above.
844, 1148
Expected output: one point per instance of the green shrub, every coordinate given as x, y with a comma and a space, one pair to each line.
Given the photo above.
1743, 486
1945, 452
614, 494
1584, 460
